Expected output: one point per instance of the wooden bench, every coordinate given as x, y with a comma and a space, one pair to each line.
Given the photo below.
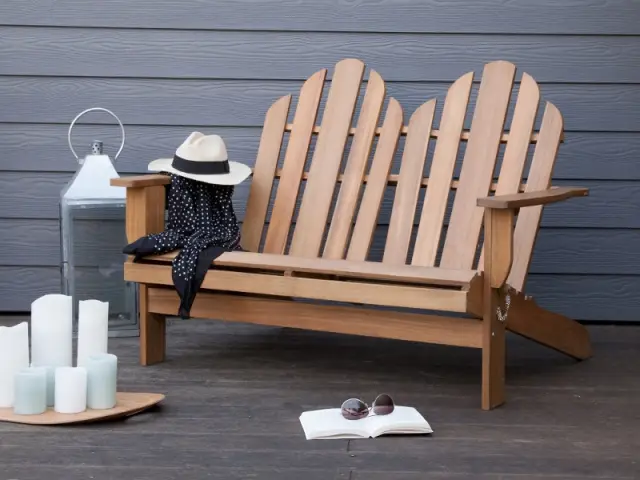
319, 250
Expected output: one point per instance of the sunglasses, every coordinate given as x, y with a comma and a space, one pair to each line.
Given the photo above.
355, 409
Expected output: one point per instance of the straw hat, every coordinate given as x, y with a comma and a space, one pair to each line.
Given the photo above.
203, 158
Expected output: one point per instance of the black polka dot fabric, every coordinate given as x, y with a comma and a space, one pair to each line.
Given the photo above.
202, 223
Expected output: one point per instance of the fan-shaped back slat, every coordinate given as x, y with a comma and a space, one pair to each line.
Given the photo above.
409, 183
478, 165
515, 154
264, 172
539, 178
476, 177
294, 161
327, 157
351, 184
367, 216
441, 172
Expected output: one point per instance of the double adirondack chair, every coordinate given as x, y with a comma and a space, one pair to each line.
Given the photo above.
456, 288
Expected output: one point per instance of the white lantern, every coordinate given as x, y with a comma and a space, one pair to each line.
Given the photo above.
92, 228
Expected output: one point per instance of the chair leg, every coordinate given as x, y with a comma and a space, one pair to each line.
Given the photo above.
493, 353
152, 332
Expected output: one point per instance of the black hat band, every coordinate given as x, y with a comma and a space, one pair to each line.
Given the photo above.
200, 168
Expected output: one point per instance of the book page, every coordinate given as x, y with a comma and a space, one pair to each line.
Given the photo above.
401, 420
329, 423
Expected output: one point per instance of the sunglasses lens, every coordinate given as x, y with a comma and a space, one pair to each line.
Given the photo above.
383, 405
354, 409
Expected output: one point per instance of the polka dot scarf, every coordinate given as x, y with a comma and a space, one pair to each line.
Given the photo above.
202, 224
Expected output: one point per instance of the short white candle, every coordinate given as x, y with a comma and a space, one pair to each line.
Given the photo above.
71, 390
30, 391
51, 331
102, 374
93, 329
14, 356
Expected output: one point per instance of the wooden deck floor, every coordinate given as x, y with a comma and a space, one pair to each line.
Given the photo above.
234, 394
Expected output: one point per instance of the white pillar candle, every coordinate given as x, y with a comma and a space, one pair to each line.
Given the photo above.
51, 331
30, 391
14, 356
71, 390
102, 374
93, 329
51, 385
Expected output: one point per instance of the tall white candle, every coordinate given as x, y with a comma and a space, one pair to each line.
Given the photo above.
51, 331
93, 329
71, 390
14, 356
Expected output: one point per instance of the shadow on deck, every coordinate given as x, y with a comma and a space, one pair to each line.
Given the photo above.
234, 394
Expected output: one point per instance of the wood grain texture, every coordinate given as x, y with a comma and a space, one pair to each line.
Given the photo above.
294, 162
407, 191
287, 56
539, 178
369, 208
478, 165
586, 251
585, 107
232, 65
22, 285
327, 158
127, 404
531, 198
35, 197
344, 213
256, 376
582, 297
264, 171
454, 331
566, 251
42, 147
594, 17
440, 171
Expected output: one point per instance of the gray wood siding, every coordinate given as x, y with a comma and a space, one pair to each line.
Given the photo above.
167, 68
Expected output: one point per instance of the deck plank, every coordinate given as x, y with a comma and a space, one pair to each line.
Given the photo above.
235, 391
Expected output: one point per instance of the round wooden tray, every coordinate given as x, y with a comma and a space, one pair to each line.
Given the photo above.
127, 403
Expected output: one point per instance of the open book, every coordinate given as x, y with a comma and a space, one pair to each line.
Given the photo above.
329, 423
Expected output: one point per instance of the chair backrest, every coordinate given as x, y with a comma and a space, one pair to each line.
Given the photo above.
330, 208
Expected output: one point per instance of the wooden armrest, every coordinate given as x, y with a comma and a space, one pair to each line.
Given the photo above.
139, 181
526, 199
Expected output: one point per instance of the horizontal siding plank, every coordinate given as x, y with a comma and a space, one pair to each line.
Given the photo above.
558, 250
35, 195
589, 17
244, 103
295, 56
39, 147
22, 285
582, 296
44, 148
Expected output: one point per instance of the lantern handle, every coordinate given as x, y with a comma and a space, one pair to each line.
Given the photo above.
87, 111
